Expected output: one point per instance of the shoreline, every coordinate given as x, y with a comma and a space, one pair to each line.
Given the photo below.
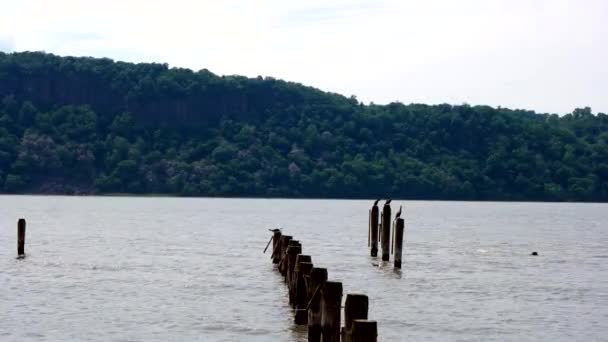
161, 195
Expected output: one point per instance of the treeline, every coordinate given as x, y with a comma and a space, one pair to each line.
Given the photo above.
86, 125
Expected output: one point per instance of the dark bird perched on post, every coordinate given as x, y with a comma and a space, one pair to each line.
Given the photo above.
388, 201
398, 215
376, 202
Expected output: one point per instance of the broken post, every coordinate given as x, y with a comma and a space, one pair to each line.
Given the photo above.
356, 307
21, 238
373, 221
331, 307
364, 331
399, 227
386, 231
318, 277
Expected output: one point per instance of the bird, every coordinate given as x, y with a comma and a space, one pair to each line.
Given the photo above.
376, 202
388, 201
275, 230
398, 215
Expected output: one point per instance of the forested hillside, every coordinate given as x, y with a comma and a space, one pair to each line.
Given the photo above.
86, 125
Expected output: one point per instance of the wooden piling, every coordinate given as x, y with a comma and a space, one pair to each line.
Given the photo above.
355, 307
292, 280
316, 301
374, 230
276, 243
331, 307
386, 232
293, 250
301, 317
285, 257
303, 270
282, 246
21, 238
318, 277
399, 227
364, 331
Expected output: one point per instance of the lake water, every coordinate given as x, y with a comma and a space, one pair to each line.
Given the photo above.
179, 269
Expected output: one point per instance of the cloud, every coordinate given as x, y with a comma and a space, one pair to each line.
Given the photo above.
547, 55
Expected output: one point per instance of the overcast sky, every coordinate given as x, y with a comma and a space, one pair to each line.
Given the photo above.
546, 55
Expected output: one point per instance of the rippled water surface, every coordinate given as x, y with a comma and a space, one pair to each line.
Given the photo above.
176, 269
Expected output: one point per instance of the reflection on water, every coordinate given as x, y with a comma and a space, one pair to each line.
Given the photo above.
158, 269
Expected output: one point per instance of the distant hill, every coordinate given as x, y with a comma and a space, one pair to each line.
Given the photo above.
88, 125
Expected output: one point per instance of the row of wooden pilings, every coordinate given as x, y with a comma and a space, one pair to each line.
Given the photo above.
380, 229
316, 300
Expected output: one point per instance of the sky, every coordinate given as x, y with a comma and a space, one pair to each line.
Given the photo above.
545, 55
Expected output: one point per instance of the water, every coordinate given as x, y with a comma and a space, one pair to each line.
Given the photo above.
175, 269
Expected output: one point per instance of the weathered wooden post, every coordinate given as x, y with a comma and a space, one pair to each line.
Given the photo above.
293, 274
301, 301
285, 258
373, 221
293, 249
281, 248
364, 331
331, 307
399, 227
21, 238
303, 270
276, 241
356, 307
386, 230
318, 277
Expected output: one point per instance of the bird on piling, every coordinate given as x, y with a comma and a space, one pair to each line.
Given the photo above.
376, 202
398, 215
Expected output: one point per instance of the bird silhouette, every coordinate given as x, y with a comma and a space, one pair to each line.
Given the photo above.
388, 201
398, 215
376, 202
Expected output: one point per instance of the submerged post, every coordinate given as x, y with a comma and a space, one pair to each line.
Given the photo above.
386, 230
373, 222
364, 331
331, 306
318, 277
21, 238
399, 227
